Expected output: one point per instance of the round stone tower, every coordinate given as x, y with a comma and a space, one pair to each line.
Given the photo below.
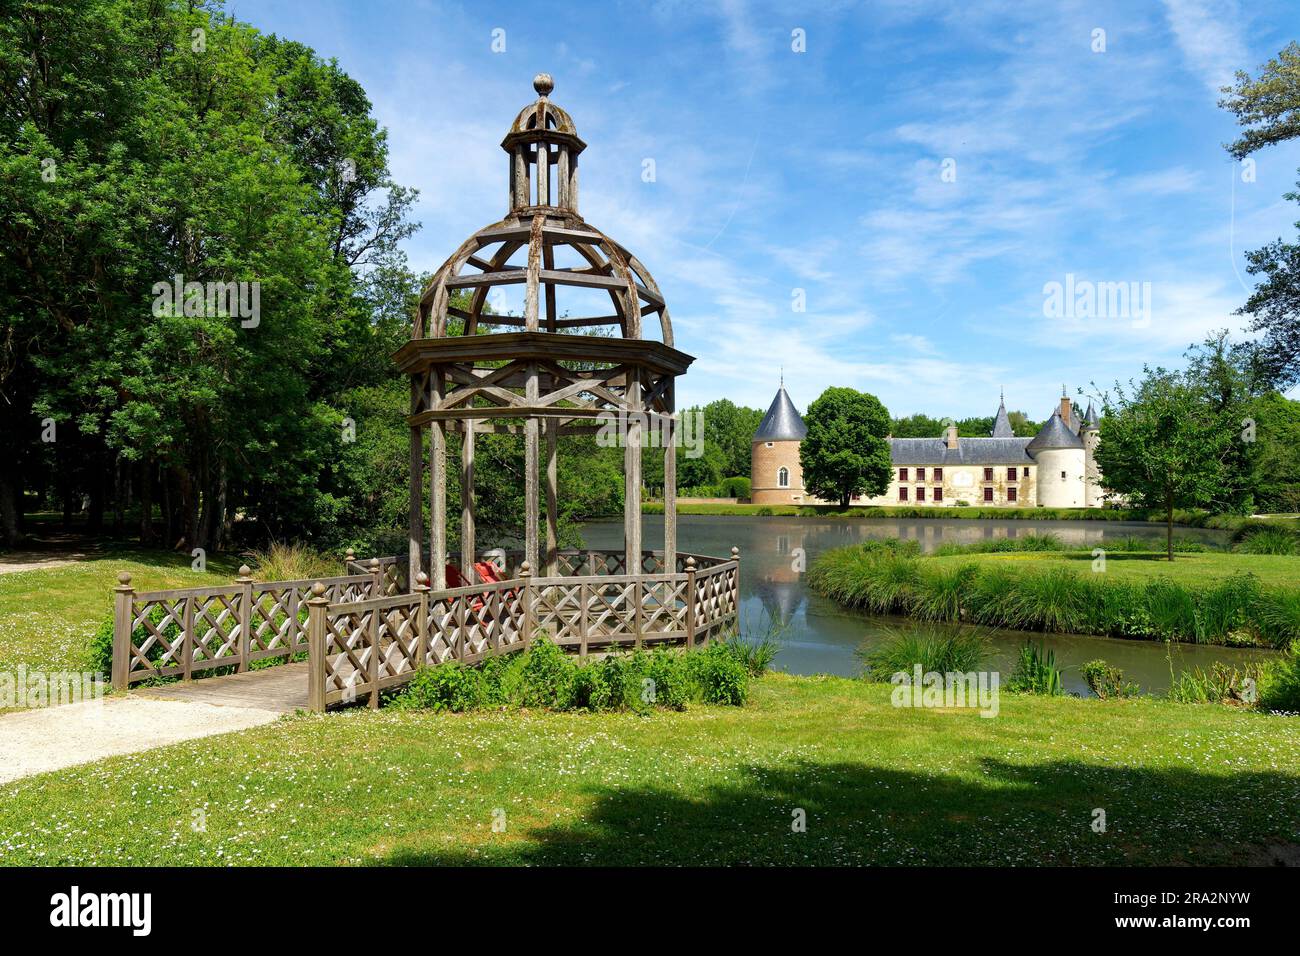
1060, 455
776, 478
1090, 432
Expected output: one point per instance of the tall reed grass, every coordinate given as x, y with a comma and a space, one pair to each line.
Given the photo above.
1236, 610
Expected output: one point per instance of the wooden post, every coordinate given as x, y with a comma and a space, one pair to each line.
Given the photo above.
422, 623
735, 590
531, 455
670, 496
376, 578
316, 606
638, 585
187, 640
245, 582
467, 544
415, 517
437, 488
584, 599
372, 662
552, 426
123, 614
632, 473
690, 603
348, 560
526, 601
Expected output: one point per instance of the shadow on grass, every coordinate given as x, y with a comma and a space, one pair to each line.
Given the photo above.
1039, 814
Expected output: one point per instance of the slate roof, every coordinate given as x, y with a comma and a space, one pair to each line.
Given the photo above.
782, 421
1002, 424
969, 451
1055, 433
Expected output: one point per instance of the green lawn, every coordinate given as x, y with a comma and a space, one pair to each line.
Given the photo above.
47, 616
713, 785
1195, 568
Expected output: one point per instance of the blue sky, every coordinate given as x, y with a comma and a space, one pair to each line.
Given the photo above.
825, 171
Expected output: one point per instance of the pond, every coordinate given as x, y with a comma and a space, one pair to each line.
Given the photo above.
821, 637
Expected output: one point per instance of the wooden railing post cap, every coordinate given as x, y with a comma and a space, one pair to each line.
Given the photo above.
525, 570
374, 562
351, 555
124, 581
421, 582
735, 553
318, 594
245, 574
690, 564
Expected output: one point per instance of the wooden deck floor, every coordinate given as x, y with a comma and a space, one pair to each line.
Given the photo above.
281, 689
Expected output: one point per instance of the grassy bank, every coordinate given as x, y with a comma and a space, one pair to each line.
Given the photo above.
1210, 597
711, 785
1185, 518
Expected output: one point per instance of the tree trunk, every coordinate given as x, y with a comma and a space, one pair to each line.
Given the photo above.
1169, 531
10, 497
146, 502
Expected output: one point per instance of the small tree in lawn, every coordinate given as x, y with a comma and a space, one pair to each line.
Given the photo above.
845, 452
1163, 445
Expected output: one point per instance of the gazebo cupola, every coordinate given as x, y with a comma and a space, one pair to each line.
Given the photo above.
543, 370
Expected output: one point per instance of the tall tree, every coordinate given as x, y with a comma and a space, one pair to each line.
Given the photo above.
1163, 445
1268, 108
845, 452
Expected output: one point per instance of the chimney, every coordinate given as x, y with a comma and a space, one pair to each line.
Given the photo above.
1065, 409
952, 436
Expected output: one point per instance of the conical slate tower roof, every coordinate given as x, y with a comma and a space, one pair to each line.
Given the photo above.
1054, 434
1002, 424
782, 421
1090, 418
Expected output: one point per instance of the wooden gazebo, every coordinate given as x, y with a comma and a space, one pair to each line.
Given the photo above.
536, 373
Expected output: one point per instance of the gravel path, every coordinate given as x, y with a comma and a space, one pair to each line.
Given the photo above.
50, 738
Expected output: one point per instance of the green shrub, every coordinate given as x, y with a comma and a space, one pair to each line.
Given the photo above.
1106, 681
502, 679
721, 678
1171, 608
1222, 683
1279, 616
942, 652
737, 487
1223, 613
292, 561
1049, 600
449, 686
1036, 672
1279, 683
546, 676
938, 592
756, 653
1268, 540
589, 689
671, 682
100, 653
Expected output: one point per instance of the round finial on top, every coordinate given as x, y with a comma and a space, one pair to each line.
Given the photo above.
318, 589
245, 570
690, 564
735, 553
421, 578
124, 578
543, 84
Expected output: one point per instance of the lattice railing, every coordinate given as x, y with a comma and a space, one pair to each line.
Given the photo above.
186, 631
369, 646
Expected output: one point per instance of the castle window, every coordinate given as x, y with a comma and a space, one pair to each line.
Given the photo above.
1026, 471
767, 444
938, 494
902, 474
920, 494
1011, 474
1011, 494
1062, 475
902, 492
783, 478
920, 474
938, 475
988, 474
988, 494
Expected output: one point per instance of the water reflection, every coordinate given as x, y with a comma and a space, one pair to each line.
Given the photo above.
822, 637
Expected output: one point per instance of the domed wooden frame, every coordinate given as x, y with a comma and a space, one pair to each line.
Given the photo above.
538, 377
